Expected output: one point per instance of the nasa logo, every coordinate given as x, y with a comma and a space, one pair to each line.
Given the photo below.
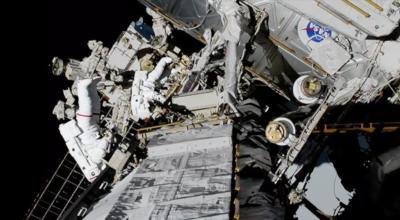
317, 33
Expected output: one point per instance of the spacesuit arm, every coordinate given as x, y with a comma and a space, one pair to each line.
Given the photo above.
158, 70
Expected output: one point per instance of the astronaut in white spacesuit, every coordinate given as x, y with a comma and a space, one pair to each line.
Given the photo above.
143, 90
87, 117
82, 137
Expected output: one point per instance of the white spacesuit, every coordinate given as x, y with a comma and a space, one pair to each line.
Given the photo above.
143, 90
88, 119
82, 136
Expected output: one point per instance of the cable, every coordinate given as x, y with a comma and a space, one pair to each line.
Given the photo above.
202, 22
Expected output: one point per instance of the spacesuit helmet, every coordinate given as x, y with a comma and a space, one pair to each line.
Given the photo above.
146, 64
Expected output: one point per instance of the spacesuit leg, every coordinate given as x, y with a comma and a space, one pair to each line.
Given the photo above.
89, 103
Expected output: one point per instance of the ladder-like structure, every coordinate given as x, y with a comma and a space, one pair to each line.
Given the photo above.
62, 190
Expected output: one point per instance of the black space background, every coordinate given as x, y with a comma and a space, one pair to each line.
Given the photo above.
70, 24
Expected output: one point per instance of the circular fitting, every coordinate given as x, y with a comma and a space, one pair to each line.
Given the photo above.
276, 132
311, 86
280, 131
307, 89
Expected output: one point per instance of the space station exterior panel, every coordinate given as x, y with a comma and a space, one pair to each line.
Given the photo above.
188, 177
